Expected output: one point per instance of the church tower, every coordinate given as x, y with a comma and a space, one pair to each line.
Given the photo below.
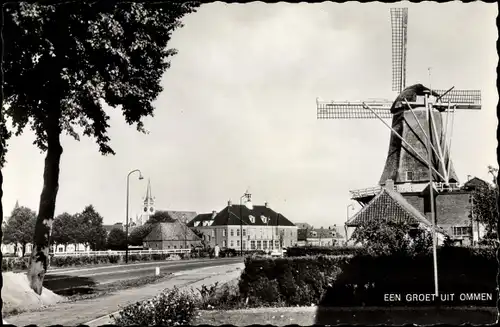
148, 207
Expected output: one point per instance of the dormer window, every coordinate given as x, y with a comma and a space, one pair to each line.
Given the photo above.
206, 223
409, 176
196, 223
252, 219
264, 219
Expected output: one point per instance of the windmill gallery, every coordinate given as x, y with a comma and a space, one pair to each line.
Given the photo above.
418, 183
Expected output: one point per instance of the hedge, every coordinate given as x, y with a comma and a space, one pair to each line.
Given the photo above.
16, 264
301, 251
365, 279
293, 281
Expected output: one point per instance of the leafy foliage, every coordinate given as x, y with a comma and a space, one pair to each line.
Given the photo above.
386, 237
160, 217
139, 233
92, 230
485, 208
116, 239
169, 308
20, 227
71, 55
301, 251
62, 229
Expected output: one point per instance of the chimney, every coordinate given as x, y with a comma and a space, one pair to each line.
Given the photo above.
266, 204
389, 184
214, 213
229, 203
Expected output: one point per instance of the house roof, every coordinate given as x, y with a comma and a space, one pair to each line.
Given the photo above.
181, 215
474, 183
230, 215
174, 231
389, 205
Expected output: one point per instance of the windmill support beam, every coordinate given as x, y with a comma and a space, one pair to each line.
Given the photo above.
451, 134
404, 141
439, 155
438, 144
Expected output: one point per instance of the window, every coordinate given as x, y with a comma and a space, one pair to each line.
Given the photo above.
224, 243
244, 245
259, 245
223, 232
232, 232
213, 233
232, 243
276, 231
175, 246
252, 245
238, 232
244, 232
264, 245
264, 219
252, 219
196, 223
462, 231
238, 243
277, 243
409, 176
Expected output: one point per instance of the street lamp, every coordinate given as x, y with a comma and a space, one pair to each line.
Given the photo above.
347, 219
249, 197
126, 225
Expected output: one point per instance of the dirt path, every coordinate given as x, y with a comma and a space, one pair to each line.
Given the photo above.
95, 312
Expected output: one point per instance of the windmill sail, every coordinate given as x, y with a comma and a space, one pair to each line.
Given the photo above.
399, 23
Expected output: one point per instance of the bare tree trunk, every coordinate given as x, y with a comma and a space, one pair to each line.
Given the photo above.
40, 254
23, 250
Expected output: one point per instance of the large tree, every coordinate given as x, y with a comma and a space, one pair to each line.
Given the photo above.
20, 227
61, 229
62, 62
93, 233
485, 208
116, 239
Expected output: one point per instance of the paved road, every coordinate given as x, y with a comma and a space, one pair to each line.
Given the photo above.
61, 280
95, 312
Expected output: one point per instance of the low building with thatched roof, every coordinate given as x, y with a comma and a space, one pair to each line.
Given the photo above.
171, 235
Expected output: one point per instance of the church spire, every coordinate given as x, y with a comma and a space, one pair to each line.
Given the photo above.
149, 196
17, 204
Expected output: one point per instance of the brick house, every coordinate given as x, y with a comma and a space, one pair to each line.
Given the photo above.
390, 205
260, 228
171, 235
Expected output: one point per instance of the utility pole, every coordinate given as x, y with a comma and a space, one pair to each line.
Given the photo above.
431, 195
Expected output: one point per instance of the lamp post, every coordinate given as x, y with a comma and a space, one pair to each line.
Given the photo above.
126, 225
249, 197
185, 230
346, 220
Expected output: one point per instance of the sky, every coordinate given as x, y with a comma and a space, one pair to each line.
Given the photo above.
238, 111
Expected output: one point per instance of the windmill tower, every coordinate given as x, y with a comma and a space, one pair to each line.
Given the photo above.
148, 207
421, 128
421, 133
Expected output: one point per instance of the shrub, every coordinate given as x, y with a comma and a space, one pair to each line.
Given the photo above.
301, 251
295, 281
169, 308
225, 297
228, 253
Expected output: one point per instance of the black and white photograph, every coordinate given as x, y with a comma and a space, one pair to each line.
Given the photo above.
209, 163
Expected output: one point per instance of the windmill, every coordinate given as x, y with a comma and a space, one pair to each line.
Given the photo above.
421, 130
422, 123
